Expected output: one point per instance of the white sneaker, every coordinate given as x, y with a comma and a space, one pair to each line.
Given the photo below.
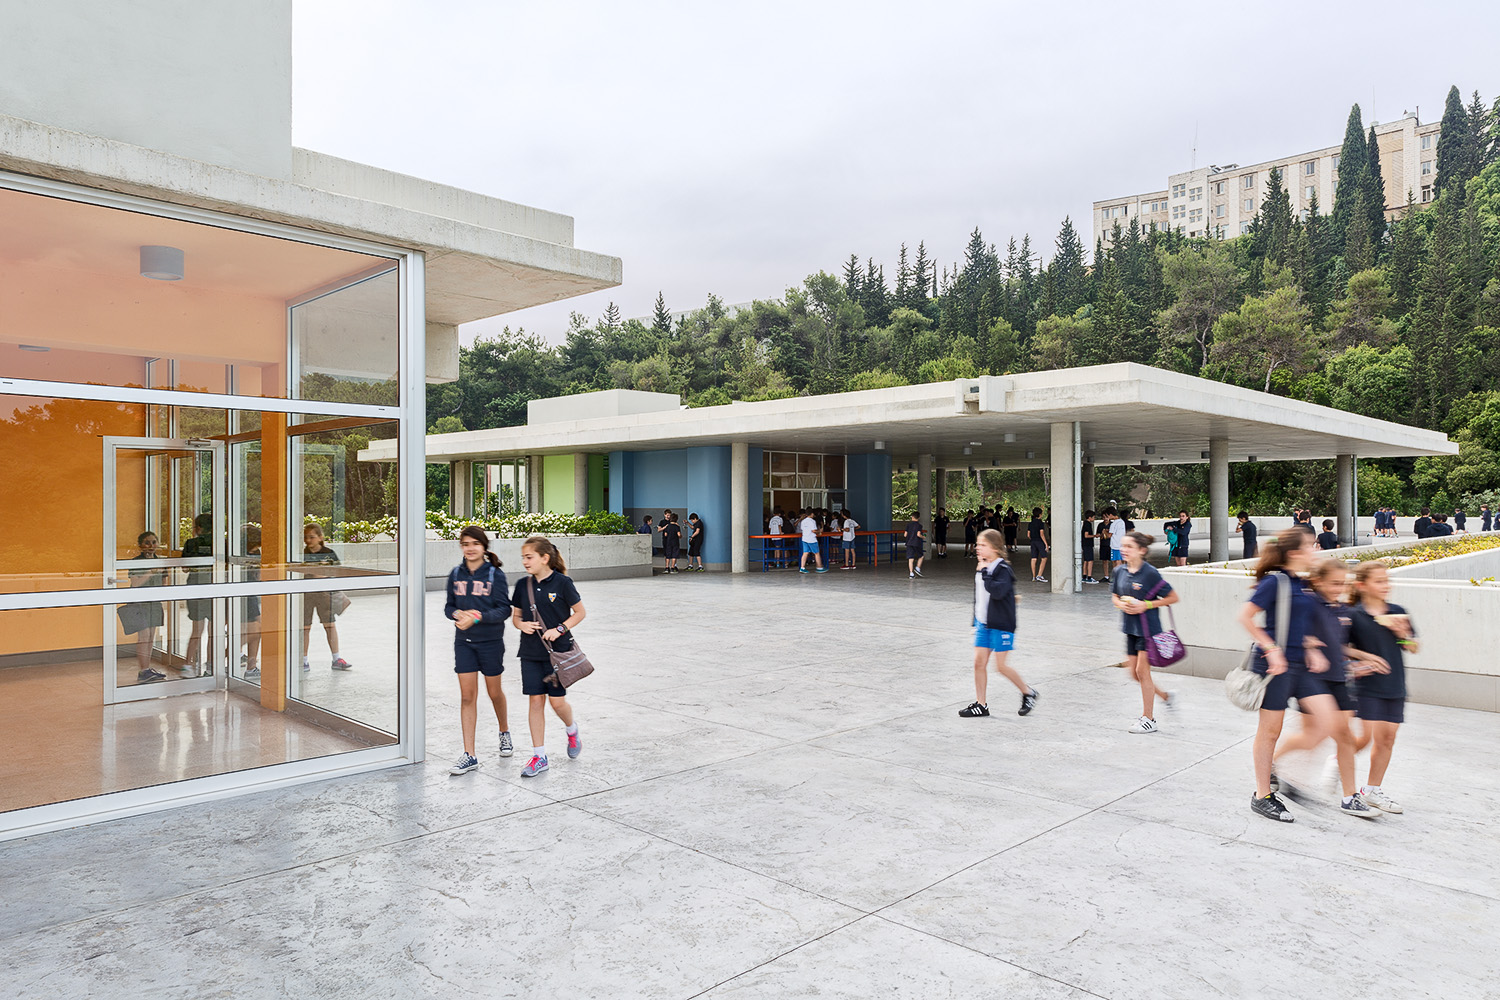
1380, 800
188, 670
1171, 701
1331, 778
305, 665
1143, 725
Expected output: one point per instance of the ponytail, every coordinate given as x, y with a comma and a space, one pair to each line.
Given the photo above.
1273, 553
479, 535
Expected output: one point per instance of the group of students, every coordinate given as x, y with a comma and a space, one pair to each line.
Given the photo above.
143, 619
671, 540
1339, 654
545, 608
808, 524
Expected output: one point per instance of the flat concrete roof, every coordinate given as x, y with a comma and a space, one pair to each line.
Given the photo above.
1123, 408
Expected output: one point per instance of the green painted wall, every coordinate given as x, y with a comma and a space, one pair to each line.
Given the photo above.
557, 484
598, 479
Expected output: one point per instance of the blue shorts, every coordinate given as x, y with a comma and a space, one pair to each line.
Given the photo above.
487, 658
811, 548
1114, 554
1297, 683
993, 639
1380, 709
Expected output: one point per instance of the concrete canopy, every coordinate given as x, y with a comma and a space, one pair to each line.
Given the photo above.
1122, 409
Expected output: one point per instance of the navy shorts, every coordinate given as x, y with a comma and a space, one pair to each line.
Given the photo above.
1294, 683
1381, 709
533, 679
1088, 552
487, 658
1134, 644
1341, 694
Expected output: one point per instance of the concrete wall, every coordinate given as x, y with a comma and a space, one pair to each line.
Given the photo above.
207, 81
1474, 566
870, 490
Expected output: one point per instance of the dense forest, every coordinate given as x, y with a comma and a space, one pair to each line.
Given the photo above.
1398, 320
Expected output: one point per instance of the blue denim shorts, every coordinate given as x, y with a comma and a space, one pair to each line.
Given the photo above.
993, 639
811, 548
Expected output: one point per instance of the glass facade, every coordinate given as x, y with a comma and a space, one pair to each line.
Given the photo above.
195, 579
802, 480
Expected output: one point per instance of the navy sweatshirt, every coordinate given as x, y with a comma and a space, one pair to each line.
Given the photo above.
485, 591
999, 584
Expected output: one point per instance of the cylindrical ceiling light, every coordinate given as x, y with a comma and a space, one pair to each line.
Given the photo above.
1030, 453
1145, 464
880, 446
1010, 437
968, 450
995, 462
1250, 458
1151, 449
161, 263
1203, 454
1093, 446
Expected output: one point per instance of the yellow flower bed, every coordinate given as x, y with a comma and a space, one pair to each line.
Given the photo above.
1437, 548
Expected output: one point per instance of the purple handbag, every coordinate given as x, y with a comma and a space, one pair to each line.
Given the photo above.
1164, 648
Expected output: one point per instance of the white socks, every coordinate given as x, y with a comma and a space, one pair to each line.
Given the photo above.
539, 751
572, 730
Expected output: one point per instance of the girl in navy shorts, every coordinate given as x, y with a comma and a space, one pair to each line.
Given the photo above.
546, 606
1383, 629
478, 604
1298, 670
994, 625
1138, 590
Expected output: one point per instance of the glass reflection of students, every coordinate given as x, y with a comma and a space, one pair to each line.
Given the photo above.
142, 620
314, 550
199, 609
251, 606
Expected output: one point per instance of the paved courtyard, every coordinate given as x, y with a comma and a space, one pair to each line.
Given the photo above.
778, 799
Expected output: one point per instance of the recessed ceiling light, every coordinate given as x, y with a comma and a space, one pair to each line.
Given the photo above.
1151, 449
975, 444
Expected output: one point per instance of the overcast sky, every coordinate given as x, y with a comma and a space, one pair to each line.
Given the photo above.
735, 150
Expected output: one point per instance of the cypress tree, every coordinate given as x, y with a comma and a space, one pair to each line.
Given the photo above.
922, 276
1359, 248
1273, 223
1320, 254
1353, 158
1481, 149
661, 320
1069, 275
1373, 186
1405, 259
1455, 146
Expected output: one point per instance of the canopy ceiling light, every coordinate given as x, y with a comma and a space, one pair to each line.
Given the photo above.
995, 462
1145, 464
880, 446
1093, 446
1030, 453
161, 263
1151, 449
968, 450
1251, 458
1010, 437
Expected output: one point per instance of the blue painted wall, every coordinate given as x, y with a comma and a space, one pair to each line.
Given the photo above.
687, 480
870, 490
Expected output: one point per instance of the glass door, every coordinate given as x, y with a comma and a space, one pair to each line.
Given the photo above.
163, 527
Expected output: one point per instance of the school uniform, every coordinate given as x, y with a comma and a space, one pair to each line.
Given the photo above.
1334, 621
995, 607
481, 646
1296, 681
940, 530
695, 541
136, 618
1034, 529
1117, 531
199, 608
1379, 697
1011, 523
1422, 526
320, 602
1184, 532
809, 528
1088, 541
1486, 520
555, 597
1251, 548
1439, 529
1145, 584
1460, 519
671, 541
914, 545
971, 535
850, 527
1327, 540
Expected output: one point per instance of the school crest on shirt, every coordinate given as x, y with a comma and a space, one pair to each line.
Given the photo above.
552, 597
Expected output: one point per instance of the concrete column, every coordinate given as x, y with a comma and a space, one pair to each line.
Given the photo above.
1345, 493
1063, 532
461, 489
533, 483
924, 490
580, 483
1086, 487
1218, 499
739, 507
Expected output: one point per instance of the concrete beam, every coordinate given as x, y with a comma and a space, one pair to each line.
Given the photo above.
442, 353
739, 507
1218, 499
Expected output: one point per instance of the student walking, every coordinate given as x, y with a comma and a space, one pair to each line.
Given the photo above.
695, 544
849, 528
994, 626
1036, 531
1247, 532
1384, 630
478, 605
1328, 580
1087, 536
250, 608
914, 547
546, 606
809, 528
1294, 669
1460, 519
940, 533
1183, 542
671, 543
1327, 539
315, 551
1138, 591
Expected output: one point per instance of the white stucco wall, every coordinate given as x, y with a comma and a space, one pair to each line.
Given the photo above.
208, 81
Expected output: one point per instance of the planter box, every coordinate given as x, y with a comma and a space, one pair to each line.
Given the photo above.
589, 557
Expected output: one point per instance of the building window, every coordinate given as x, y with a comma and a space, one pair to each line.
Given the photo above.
1196, 194
1308, 192
1220, 211
1178, 211
1427, 141
1218, 187
1249, 180
1335, 163
1249, 204
1196, 233
1244, 228
1196, 215
1426, 192
1178, 190
1309, 168
1426, 167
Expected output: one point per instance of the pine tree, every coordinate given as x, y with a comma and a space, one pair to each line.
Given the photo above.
1405, 259
1359, 249
852, 276
1069, 275
1481, 151
1353, 158
874, 296
661, 320
611, 319
1373, 186
1273, 224
903, 280
1455, 146
923, 274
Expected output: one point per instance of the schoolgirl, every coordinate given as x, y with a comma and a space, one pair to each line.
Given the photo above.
1138, 590
849, 528
1383, 629
1328, 580
994, 625
546, 606
142, 620
478, 604
1296, 670
314, 550
971, 533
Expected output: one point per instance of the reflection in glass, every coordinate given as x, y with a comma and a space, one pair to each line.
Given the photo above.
352, 505
346, 341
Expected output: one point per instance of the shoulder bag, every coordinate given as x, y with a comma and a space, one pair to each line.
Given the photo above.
1247, 689
1164, 648
568, 667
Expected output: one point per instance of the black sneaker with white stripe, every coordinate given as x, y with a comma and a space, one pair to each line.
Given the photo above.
1028, 702
1271, 808
974, 711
